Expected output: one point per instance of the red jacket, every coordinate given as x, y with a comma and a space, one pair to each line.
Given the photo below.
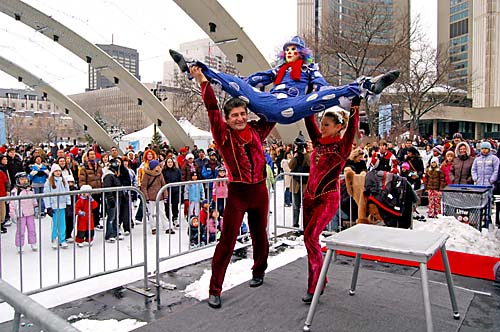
244, 161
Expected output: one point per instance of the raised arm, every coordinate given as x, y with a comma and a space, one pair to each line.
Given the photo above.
217, 124
312, 128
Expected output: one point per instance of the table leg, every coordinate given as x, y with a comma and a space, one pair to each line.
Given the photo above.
317, 291
449, 281
425, 291
354, 280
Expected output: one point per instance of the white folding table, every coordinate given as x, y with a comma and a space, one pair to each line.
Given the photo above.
405, 244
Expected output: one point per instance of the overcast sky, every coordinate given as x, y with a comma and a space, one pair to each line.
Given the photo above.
150, 26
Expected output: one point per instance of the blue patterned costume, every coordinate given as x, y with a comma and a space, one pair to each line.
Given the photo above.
288, 101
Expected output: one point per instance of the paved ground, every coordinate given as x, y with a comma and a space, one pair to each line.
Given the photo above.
482, 315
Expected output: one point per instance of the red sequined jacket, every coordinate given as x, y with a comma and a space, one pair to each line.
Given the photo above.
329, 155
244, 161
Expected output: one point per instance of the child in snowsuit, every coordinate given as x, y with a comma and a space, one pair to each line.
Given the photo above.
24, 212
85, 218
197, 235
435, 183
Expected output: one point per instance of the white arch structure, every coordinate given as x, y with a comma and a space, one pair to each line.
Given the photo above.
236, 45
71, 108
110, 68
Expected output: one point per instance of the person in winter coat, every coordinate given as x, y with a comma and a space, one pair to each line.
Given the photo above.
461, 169
384, 160
485, 172
220, 191
110, 179
416, 167
23, 211
485, 166
189, 167
4, 189
446, 166
38, 174
56, 205
194, 194
85, 218
435, 182
152, 182
172, 174
91, 173
287, 178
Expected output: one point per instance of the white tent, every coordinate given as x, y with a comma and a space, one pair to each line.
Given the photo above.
140, 139
201, 138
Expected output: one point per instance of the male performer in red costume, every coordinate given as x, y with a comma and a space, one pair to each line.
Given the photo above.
240, 144
321, 199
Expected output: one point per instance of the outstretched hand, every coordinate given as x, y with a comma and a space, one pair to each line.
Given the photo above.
197, 74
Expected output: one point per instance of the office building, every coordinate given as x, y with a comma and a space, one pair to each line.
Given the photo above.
127, 57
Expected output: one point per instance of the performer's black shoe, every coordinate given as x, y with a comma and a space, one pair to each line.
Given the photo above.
179, 60
214, 301
256, 281
309, 297
381, 82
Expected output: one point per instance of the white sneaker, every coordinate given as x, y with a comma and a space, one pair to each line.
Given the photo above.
70, 240
138, 222
54, 244
121, 237
111, 240
64, 245
99, 227
81, 245
7, 223
34, 247
126, 233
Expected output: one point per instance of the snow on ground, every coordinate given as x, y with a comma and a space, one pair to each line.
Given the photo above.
110, 325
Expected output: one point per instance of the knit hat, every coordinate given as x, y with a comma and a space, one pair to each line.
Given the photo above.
153, 163
405, 166
435, 160
457, 135
69, 178
485, 145
212, 153
55, 167
86, 187
189, 156
438, 149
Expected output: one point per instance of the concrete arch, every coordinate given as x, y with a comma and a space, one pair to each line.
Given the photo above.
70, 107
90, 53
236, 45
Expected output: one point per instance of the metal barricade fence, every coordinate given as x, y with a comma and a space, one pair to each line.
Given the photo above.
48, 268
297, 180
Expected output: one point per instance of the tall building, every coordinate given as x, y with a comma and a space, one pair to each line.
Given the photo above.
127, 57
454, 37
315, 17
202, 49
469, 31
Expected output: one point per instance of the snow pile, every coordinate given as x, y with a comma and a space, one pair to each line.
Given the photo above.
463, 237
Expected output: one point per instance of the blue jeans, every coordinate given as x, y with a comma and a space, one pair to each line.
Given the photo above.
41, 203
111, 227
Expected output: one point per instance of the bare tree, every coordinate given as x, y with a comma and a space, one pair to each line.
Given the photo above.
369, 39
424, 86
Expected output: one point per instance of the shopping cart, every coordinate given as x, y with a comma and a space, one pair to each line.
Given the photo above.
470, 204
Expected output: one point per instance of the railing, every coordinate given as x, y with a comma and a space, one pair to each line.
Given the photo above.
45, 270
23, 305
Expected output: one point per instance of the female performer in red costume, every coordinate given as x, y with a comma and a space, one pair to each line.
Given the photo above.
321, 199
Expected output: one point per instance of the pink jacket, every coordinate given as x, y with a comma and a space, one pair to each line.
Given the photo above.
27, 205
219, 190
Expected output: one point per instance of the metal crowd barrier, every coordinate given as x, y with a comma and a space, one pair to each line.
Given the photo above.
297, 204
49, 263
41, 316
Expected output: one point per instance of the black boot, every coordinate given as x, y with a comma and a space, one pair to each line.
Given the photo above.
179, 60
214, 301
381, 82
256, 281
3, 229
